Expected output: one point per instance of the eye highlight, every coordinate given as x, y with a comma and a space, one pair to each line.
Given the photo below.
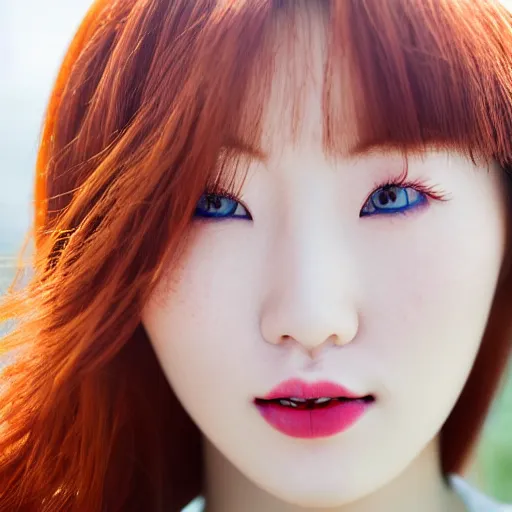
393, 199
221, 205
400, 196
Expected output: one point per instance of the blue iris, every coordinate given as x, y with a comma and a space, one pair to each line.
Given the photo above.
393, 199
219, 206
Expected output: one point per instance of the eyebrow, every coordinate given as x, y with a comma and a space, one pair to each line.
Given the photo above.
360, 149
383, 147
245, 148
373, 147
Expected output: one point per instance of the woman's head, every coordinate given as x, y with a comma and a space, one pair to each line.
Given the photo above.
317, 117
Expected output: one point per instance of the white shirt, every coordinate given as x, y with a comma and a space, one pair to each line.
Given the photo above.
474, 500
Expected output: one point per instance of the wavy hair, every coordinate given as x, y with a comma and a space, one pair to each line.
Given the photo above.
151, 94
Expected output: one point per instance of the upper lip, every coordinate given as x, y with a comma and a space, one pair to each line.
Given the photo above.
296, 388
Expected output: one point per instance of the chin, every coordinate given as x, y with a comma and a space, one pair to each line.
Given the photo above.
316, 493
316, 499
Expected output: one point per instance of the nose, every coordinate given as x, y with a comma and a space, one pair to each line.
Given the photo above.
311, 301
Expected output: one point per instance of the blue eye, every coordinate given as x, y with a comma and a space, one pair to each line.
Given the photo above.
393, 199
219, 206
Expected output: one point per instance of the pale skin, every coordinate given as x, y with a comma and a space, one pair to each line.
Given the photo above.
393, 305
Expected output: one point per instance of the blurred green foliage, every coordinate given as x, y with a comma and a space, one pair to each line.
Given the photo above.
494, 457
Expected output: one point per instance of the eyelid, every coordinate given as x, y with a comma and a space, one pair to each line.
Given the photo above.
219, 191
430, 190
403, 181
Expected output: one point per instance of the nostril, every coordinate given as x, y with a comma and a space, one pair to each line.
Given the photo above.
284, 339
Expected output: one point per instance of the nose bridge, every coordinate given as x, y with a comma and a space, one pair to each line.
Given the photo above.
310, 296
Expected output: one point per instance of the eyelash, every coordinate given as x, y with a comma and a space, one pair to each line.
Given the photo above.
225, 194
428, 191
220, 192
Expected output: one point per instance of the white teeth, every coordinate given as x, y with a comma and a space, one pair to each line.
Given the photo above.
287, 403
296, 402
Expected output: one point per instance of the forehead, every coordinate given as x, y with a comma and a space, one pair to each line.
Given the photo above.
354, 76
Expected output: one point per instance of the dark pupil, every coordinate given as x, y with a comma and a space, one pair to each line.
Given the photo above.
387, 195
213, 202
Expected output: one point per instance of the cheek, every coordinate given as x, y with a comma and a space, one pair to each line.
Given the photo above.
429, 303
199, 319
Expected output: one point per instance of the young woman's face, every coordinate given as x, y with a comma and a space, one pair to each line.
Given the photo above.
322, 274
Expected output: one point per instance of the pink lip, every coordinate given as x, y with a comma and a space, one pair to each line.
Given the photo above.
326, 421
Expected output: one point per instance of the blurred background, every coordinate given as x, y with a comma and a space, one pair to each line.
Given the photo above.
33, 38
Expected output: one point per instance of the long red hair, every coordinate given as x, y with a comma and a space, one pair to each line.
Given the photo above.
150, 94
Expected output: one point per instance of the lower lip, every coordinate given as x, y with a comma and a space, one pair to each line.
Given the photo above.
313, 423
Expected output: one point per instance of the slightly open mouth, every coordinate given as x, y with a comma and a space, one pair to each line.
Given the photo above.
312, 403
